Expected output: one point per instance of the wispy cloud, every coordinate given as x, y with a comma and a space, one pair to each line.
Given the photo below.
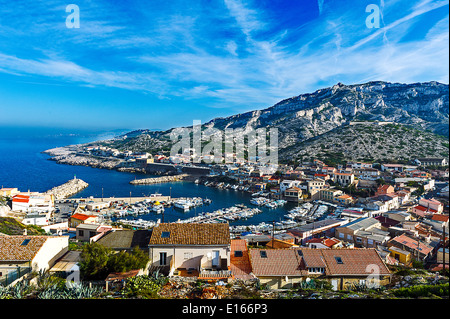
230, 54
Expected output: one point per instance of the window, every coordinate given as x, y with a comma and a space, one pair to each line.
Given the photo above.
338, 260
358, 240
238, 253
25, 242
263, 254
165, 234
80, 232
341, 235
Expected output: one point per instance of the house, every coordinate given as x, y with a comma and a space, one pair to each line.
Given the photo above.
78, 218
400, 255
440, 218
348, 267
343, 268
415, 246
293, 194
343, 179
432, 205
328, 194
324, 243
383, 203
403, 196
392, 167
200, 249
363, 232
344, 199
322, 227
384, 189
315, 185
91, 232
23, 254
33, 203
286, 184
366, 173
431, 161
276, 268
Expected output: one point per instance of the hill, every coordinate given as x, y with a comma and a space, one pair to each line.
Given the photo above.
419, 113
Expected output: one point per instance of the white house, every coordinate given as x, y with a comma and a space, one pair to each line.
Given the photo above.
287, 183
21, 254
195, 249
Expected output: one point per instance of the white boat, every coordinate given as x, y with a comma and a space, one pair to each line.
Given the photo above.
182, 204
158, 208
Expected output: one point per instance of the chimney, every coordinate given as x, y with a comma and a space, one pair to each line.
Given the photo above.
25, 232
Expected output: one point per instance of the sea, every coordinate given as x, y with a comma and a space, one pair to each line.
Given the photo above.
23, 165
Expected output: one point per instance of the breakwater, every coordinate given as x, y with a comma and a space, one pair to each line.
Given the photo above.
68, 189
161, 179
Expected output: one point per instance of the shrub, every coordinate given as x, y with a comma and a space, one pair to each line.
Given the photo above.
441, 290
142, 287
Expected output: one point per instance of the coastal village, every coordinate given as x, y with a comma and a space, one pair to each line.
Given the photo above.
353, 230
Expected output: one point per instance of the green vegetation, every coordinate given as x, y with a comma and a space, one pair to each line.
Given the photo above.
99, 261
10, 226
144, 286
441, 290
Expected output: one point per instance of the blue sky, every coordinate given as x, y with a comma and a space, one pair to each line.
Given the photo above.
159, 64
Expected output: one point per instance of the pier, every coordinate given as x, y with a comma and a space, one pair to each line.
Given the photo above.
161, 179
68, 189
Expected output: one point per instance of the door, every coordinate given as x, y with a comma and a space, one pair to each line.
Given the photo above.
162, 258
215, 258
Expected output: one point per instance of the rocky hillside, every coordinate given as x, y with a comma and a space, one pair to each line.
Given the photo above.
304, 120
370, 142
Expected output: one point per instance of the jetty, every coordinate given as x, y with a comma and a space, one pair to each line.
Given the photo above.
161, 179
68, 189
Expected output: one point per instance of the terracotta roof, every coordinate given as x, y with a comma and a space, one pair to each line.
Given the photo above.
312, 257
240, 266
279, 262
440, 217
190, 234
354, 262
81, 216
412, 244
20, 248
294, 262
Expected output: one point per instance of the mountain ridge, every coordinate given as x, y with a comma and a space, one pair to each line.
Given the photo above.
422, 106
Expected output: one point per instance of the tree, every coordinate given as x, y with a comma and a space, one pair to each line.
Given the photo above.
99, 261
94, 261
